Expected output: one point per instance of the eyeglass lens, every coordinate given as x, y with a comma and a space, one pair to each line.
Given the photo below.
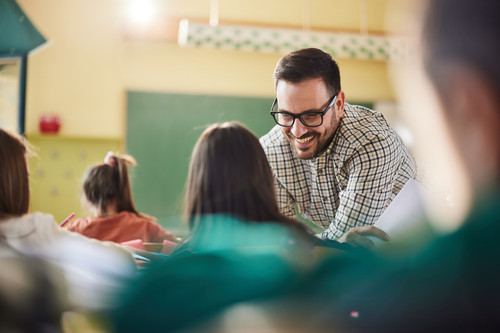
312, 119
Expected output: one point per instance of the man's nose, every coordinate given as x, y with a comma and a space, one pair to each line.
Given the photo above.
298, 129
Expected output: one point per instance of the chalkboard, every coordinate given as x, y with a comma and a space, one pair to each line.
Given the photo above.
162, 129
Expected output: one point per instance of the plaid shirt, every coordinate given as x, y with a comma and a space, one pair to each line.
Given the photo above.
349, 185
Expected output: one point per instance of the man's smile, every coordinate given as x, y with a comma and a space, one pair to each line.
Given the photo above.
304, 140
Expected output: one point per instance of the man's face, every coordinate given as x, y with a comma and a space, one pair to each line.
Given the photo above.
309, 95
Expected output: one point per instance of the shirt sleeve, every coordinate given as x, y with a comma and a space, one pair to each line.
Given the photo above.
371, 171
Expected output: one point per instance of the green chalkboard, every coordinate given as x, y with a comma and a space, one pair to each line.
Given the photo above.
162, 129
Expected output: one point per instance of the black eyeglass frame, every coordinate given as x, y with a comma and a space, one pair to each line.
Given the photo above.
295, 116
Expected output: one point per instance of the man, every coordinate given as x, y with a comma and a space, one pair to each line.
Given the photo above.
341, 164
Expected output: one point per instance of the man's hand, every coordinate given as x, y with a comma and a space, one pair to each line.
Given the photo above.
357, 236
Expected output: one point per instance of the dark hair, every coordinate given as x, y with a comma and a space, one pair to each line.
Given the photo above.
229, 174
109, 183
14, 185
306, 64
464, 31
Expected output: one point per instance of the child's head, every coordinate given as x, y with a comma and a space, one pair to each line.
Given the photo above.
107, 184
229, 174
14, 186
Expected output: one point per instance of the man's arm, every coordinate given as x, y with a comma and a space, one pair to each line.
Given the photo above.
371, 173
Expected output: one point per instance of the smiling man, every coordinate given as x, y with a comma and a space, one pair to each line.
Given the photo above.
341, 164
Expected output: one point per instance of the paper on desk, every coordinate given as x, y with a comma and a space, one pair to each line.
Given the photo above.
405, 213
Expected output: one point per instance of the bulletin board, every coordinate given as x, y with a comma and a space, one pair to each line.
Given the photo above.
162, 129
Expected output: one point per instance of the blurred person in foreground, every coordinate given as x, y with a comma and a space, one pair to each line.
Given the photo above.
239, 245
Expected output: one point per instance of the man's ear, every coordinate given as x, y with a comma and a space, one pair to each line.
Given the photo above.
339, 104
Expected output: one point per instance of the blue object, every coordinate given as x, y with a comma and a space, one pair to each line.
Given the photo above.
18, 35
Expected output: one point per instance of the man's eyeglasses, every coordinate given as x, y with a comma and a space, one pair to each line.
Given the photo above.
308, 118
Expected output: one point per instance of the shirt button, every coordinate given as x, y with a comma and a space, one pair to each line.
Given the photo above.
320, 171
325, 199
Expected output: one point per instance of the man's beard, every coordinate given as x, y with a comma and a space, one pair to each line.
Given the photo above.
321, 147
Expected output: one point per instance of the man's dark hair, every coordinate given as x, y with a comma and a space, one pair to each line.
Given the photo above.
463, 31
306, 64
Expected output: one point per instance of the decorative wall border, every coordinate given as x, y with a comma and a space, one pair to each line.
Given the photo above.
283, 40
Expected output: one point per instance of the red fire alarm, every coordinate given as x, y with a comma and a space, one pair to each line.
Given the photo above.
49, 123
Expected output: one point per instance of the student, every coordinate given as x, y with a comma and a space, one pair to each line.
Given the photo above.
107, 191
240, 245
341, 164
230, 199
236, 232
93, 271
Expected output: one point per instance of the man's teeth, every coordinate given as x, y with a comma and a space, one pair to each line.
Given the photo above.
304, 140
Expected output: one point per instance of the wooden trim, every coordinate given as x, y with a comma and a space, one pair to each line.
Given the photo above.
167, 28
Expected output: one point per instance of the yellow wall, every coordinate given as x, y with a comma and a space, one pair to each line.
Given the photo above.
85, 70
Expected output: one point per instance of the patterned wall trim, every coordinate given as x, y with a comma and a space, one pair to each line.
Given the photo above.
281, 40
